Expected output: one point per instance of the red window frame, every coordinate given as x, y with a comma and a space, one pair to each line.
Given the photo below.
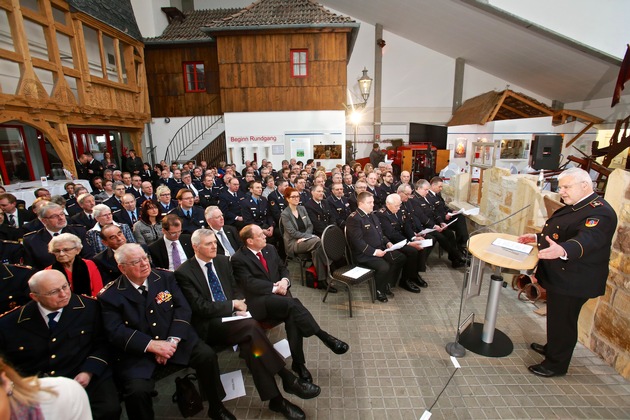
297, 63
198, 80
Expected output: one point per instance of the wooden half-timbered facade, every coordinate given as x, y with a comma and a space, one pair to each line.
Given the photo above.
72, 80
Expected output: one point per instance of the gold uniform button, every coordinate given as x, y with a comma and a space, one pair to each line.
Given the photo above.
53, 340
546, 224
21, 348
557, 227
82, 332
10, 297
151, 311
54, 356
157, 337
52, 372
126, 323
154, 324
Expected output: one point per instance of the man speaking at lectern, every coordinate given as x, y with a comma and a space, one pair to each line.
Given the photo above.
573, 252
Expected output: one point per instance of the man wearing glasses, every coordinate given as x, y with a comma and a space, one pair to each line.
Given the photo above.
172, 249
148, 320
60, 333
36, 243
228, 240
192, 216
574, 250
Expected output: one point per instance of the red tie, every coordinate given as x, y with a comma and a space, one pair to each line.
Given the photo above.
263, 261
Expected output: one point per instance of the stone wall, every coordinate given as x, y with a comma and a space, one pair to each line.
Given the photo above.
604, 324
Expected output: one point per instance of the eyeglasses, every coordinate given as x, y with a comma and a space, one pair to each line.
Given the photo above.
174, 233
63, 250
136, 263
56, 216
294, 196
165, 195
566, 187
56, 291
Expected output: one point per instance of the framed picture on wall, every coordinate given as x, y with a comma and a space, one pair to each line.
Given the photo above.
460, 148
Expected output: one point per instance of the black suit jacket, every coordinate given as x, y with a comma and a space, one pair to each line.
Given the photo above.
107, 265
83, 220
230, 205
197, 220
14, 289
159, 253
82, 170
113, 203
23, 217
131, 321
235, 240
206, 314
36, 246
122, 216
255, 281
77, 342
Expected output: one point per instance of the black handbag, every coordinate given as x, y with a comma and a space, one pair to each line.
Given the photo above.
186, 396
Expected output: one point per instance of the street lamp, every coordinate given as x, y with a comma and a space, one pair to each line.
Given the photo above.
355, 119
365, 85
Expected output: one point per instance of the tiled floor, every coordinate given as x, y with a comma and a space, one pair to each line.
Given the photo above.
397, 366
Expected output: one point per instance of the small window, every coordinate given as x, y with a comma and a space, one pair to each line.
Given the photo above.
299, 63
194, 77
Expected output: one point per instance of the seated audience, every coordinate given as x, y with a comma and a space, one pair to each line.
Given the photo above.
148, 229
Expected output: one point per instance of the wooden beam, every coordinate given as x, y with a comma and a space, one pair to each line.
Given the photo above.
492, 114
530, 103
516, 111
584, 130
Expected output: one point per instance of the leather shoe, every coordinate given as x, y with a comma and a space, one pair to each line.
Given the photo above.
388, 291
287, 409
540, 370
221, 413
409, 286
420, 281
380, 296
302, 372
324, 284
458, 263
538, 348
336, 345
301, 388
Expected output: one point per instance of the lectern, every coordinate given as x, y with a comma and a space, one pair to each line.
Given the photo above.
484, 338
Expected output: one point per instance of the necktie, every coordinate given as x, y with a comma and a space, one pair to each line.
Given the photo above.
215, 285
90, 217
51, 320
133, 217
11, 221
263, 261
56, 234
177, 260
226, 243
143, 290
188, 214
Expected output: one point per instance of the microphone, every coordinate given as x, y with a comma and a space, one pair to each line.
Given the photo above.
454, 348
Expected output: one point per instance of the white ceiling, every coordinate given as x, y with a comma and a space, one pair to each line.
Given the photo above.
496, 42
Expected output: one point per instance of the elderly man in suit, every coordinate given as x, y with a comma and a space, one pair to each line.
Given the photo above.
42, 338
147, 319
129, 214
36, 243
85, 217
228, 240
209, 286
265, 280
172, 249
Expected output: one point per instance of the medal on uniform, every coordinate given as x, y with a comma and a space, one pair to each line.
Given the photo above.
555, 236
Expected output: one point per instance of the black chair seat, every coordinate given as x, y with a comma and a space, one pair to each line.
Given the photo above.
338, 276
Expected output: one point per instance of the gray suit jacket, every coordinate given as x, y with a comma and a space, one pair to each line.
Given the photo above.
291, 233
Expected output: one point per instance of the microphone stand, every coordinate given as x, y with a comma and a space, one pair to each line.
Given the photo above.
454, 348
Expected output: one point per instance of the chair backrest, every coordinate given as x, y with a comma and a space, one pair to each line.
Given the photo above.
334, 244
350, 255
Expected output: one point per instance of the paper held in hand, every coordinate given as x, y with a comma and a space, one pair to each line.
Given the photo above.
236, 317
397, 246
513, 245
470, 212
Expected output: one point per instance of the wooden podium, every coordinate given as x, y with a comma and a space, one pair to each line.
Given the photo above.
485, 339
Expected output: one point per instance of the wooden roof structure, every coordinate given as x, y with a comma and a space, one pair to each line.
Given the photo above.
510, 105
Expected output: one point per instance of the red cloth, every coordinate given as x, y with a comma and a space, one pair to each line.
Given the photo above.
263, 261
96, 281
624, 76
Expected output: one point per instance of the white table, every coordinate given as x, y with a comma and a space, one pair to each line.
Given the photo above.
26, 190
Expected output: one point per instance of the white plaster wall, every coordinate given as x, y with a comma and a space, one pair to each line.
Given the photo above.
151, 20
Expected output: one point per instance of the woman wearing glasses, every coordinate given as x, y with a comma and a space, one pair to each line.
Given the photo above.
83, 275
298, 234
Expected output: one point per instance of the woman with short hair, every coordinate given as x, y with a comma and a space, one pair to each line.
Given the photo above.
83, 275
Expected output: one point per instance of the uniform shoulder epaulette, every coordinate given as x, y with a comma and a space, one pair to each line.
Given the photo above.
90, 296
30, 233
10, 310
23, 266
383, 210
107, 286
596, 203
162, 269
352, 214
6, 241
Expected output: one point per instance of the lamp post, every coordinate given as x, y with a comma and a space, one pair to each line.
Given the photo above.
365, 85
